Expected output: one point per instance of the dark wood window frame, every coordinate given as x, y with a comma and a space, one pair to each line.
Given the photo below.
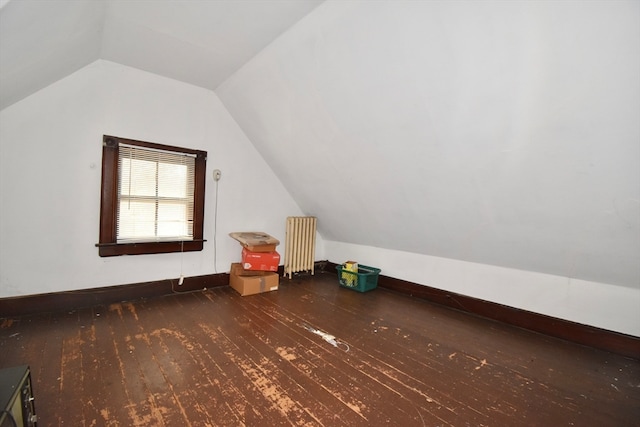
108, 244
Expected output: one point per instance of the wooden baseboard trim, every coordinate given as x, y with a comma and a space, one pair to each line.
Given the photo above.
614, 342
625, 345
71, 300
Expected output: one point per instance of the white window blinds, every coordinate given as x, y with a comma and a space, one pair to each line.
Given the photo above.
155, 195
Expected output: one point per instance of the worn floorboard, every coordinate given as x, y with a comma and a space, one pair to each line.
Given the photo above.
215, 358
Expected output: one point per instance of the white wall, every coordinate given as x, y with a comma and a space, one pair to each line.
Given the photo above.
495, 144
50, 166
610, 307
496, 132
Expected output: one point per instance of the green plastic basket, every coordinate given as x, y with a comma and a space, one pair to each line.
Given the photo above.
364, 280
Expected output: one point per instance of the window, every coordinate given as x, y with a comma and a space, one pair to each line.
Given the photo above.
152, 198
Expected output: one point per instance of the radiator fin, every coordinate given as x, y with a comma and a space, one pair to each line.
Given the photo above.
300, 244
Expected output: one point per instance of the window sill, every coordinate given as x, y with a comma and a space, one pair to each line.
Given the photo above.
140, 248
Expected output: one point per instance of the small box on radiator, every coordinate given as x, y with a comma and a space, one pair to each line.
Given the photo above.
262, 261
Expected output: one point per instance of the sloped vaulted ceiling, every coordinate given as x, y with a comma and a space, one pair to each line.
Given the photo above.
198, 42
42, 42
504, 133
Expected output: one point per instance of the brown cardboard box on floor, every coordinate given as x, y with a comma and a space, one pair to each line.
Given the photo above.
248, 282
265, 261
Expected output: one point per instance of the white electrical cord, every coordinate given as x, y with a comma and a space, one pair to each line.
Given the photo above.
181, 279
215, 231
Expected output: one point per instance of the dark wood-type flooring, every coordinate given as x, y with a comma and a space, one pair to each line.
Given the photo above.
215, 358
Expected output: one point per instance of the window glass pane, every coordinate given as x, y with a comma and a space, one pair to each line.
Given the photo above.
137, 177
172, 220
136, 219
172, 180
156, 194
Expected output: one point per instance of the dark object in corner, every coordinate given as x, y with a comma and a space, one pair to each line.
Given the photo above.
16, 398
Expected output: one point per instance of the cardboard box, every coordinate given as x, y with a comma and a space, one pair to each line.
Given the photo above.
261, 248
256, 241
252, 282
262, 261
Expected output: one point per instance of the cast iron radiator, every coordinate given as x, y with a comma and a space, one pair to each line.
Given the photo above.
300, 244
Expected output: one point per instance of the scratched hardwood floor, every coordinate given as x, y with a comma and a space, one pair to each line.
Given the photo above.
215, 358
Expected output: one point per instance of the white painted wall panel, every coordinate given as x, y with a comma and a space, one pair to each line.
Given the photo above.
614, 308
50, 166
492, 132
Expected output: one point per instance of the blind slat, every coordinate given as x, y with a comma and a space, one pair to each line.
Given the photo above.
155, 195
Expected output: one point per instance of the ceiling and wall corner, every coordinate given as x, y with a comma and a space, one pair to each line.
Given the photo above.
43, 42
197, 42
